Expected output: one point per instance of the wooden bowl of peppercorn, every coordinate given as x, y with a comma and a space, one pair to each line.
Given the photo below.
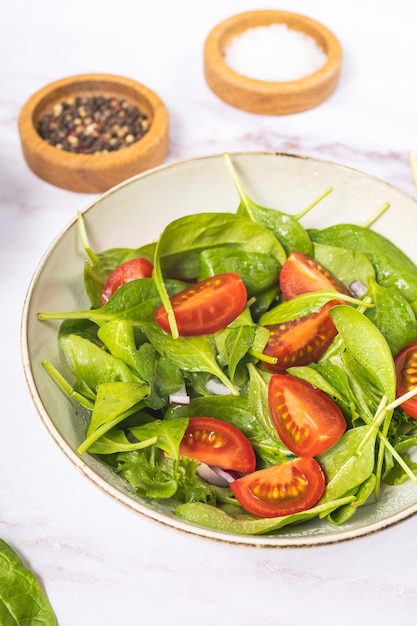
87, 133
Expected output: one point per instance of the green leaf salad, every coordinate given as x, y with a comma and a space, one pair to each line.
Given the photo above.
142, 384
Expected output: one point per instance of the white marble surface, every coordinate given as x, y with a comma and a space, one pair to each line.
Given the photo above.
99, 562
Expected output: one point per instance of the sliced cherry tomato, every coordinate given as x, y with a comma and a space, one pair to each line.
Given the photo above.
124, 273
306, 419
217, 443
406, 372
302, 274
207, 306
301, 341
282, 489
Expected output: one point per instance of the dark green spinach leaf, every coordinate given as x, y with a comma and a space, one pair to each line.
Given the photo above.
23, 601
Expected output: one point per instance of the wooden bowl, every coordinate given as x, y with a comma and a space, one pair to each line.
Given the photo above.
93, 173
270, 97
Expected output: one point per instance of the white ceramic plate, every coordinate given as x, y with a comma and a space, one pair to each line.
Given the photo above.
134, 213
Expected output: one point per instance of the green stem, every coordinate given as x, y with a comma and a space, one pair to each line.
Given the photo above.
263, 357
66, 387
243, 196
376, 215
163, 293
313, 204
84, 238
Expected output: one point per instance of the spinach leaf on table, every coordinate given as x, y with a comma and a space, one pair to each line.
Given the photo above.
23, 601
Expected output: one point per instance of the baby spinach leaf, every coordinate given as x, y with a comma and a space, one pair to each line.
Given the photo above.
392, 266
263, 302
22, 598
193, 354
232, 345
364, 341
162, 375
349, 462
169, 434
235, 520
346, 264
179, 247
393, 316
135, 301
115, 400
301, 305
65, 386
96, 273
286, 228
345, 512
92, 364
119, 338
257, 270
183, 240
115, 440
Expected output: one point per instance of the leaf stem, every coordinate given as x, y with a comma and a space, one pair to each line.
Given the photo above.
313, 204
243, 196
163, 293
104, 428
84, 239
66, 387
376, 215
263, 357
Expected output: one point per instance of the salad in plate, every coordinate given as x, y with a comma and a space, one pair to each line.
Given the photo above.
252, 372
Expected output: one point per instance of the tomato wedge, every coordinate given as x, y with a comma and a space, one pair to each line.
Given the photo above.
301, 341
217, 443
308, 422
406, 373
124, 273
280, 490
302, 274
207, 306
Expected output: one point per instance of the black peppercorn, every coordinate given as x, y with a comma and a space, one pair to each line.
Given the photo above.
92, 124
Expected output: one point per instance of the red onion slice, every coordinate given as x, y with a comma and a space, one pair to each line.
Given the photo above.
217, 388
180, 396
358, 288
216, 475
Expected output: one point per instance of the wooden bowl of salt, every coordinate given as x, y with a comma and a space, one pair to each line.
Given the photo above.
272, 62
95, 148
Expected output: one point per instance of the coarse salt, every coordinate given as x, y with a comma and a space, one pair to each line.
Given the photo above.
274, 53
